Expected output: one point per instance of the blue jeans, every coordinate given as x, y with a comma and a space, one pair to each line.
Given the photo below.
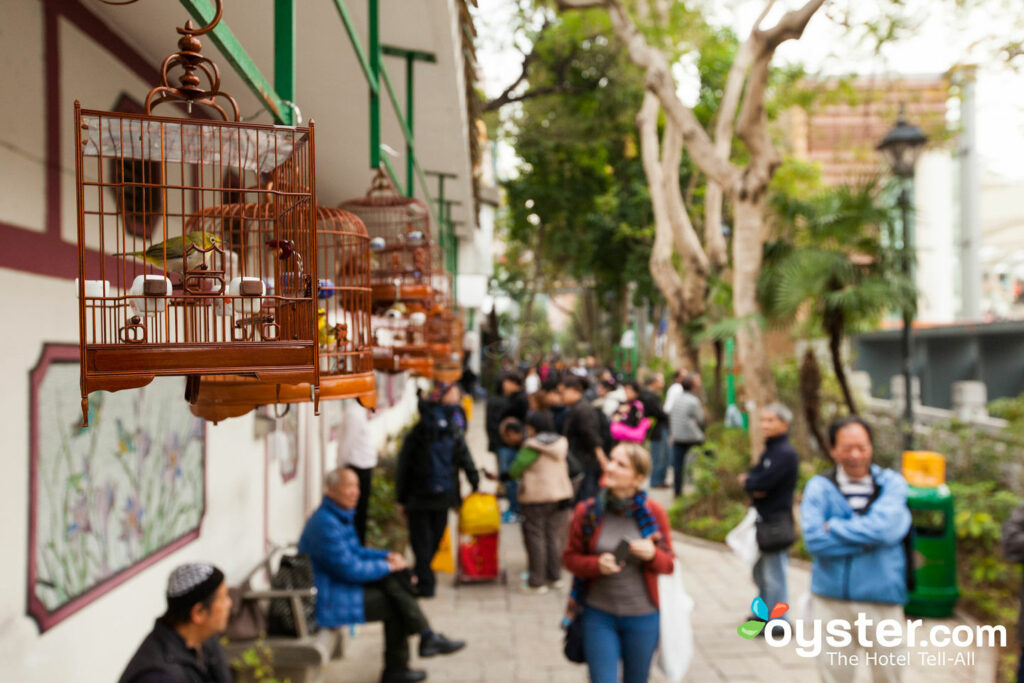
679, 451
608, 639
770, 577
505, 457
659, 460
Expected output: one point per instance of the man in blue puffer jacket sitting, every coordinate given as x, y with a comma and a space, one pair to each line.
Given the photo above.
356, 584
855, 520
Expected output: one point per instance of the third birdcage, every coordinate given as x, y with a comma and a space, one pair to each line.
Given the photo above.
400, 243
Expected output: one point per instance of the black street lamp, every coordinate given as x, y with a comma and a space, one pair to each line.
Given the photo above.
901, 146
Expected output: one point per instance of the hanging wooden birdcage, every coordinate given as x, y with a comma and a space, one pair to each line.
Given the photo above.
400, 243
448, 357
205, 295
400, 341
343, 327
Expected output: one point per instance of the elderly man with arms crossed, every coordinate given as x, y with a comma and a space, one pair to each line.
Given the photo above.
855, 522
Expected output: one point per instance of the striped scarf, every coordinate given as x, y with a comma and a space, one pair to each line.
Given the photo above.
635, 507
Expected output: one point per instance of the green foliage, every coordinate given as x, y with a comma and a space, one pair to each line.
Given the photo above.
988, 584
385, 526
256, 664
716, 502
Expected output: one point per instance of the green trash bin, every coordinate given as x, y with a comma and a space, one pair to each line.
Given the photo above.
935, 592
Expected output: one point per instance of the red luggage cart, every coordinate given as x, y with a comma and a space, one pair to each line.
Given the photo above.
477, 557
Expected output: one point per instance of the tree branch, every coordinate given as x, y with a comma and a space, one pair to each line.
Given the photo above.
752, 123
659, 81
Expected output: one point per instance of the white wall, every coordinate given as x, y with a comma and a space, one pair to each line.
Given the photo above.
247, 504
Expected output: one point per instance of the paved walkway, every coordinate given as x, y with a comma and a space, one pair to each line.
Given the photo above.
514, 637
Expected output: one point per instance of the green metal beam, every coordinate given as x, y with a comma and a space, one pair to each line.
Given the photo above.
284, 49
357, 44
408, 123
393, 96
418, 55
202, 11
410, 149
374, 9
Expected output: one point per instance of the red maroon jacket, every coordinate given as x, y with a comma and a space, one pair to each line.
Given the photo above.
582, 561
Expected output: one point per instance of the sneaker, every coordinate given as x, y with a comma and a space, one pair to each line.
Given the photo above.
508, 517
438, 644
533, 590
558, 585
402, 676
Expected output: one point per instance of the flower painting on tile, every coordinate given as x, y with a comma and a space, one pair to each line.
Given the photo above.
108, 497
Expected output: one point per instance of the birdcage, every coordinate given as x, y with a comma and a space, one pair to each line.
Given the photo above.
198, 295
212, 295
343, 327
448, 357
400, 243
400, 340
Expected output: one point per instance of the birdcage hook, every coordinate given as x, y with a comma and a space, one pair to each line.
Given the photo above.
194, 65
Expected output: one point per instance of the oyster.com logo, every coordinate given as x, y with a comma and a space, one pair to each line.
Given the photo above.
753, 628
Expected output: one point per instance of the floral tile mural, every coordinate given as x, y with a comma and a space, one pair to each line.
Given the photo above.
111, 499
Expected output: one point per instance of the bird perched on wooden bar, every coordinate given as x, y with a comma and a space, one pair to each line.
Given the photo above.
327, 334
198, 241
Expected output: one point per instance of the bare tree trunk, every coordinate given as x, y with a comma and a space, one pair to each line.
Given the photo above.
835, 326
716, 401
747, 251
810, 397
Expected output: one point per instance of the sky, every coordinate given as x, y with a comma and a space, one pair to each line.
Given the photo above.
940, 40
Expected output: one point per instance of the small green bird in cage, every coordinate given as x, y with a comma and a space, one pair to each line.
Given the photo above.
198, 240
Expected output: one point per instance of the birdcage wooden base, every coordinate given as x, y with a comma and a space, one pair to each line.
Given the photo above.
447, 374
386, 294
234, 396
440, 350
419, 365
202, 359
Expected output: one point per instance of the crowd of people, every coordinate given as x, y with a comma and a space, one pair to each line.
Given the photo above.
576, 449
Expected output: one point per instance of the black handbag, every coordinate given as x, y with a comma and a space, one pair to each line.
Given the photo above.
573, 647
777, 533
295, 571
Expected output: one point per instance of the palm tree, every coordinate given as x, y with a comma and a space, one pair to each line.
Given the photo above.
839, 266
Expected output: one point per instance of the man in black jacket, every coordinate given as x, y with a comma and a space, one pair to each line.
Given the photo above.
184, 643
583, 430
770, 484
1013, 550
427, 477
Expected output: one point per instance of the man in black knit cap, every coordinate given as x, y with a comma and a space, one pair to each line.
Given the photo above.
183, 646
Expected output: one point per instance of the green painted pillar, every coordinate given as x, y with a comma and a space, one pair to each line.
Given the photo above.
374, 9
284, 55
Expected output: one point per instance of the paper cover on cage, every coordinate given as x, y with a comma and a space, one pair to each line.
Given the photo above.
254, 149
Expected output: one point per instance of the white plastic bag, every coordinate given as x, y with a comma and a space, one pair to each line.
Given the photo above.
743, 538
675, 606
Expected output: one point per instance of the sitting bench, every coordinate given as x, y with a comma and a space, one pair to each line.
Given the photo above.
301, 658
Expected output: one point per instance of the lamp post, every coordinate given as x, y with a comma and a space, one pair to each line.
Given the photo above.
902, 146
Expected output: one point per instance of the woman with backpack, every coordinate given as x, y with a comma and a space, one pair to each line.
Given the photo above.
427, 478
619, 542
545, 498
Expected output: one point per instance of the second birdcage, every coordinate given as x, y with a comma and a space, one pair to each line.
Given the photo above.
343, 327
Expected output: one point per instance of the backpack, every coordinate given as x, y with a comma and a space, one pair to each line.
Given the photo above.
440, 474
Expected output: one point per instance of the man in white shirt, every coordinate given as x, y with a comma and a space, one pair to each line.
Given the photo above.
356, 450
